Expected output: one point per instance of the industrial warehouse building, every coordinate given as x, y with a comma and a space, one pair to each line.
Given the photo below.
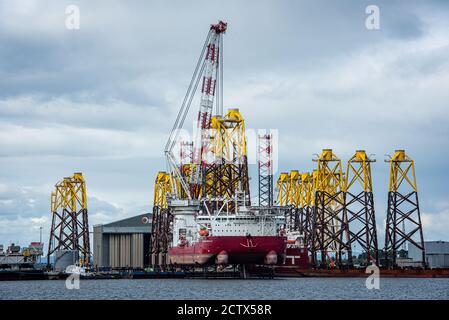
437, 254
124, 243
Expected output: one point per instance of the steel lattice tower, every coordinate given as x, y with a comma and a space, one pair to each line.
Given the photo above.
226, 176
403, 214
161, 231
330, 231
283, 189
309, 182
70, 226
293, 220
265, 162
359, 206
283, 194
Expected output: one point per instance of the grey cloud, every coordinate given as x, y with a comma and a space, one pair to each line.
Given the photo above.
402, 23
102, 100
15, 201
23, 210
29, 202
128, 40
421, 63
38, 111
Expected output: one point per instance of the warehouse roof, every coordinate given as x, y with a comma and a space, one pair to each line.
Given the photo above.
136, 224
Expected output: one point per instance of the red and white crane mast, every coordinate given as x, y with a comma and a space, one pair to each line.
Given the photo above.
209, 71
208, 87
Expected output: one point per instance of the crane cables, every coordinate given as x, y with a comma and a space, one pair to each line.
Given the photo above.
182, 114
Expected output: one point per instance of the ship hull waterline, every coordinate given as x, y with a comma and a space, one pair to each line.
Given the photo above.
224, 250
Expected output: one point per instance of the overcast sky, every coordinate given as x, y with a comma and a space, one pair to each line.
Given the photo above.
102, 99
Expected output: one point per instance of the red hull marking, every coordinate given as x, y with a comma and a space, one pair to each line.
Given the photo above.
297, 257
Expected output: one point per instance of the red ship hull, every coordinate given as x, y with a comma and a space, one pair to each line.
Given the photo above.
230, 250
296, 257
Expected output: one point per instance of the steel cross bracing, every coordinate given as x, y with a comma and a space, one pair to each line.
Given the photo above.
293, 217
283, 189
403, 215
359, 206
226, 175
265, 165
335, 210
305, 204
70, 227
162, 219
330, 235
307, 207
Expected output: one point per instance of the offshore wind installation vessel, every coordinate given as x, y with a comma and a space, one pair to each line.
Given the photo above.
202, 212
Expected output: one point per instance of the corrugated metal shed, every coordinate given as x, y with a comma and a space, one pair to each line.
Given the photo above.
124, 243
437, 247
437, 254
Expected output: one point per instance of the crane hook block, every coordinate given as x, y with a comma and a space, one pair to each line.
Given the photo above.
220, 27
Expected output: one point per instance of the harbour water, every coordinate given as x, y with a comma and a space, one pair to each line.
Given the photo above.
283, 288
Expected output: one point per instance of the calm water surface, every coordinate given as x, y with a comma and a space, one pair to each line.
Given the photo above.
284, 288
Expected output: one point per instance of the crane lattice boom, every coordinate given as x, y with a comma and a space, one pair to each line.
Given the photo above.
209, 71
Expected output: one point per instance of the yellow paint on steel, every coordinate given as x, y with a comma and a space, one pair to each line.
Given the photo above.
69, 194
329, 172
359, 171
228, 148
162, 187
306, 187
228, 136
330, 187
295, 187
283, 189
402, 171
314, 179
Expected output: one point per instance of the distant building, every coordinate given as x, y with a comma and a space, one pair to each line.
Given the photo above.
124, 243
437, 254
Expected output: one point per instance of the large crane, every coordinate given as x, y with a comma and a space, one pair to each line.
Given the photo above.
208, 71
206, 209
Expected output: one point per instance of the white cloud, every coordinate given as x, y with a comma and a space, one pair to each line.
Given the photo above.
22, 230
436, 224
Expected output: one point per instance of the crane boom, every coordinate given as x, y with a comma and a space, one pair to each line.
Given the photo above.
209, 83
208, 70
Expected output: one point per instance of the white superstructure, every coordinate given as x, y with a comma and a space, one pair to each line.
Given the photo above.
189, 221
